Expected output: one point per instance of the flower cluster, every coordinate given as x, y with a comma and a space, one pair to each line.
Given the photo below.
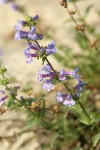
68, 99
32, 36
47, 74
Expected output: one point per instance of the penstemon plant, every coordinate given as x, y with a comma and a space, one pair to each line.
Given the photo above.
72, 97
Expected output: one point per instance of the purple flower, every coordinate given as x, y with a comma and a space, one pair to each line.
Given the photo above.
69, 101
51, 48
32, 35
46, 72
36, 17
29, 56
15, 6
47, 68
47, 75
66, 99
59, 97
22, 23
20, 34
42, 76
76, 75
62, 75
48, 85
2, 99
80, 87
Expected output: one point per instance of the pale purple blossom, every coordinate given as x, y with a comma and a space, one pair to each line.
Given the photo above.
31, 35
51, 48
48, 86
66, 99
15, 6
20, 34
46, 73
79, 88
76, 75
29, 55
62, 75
69, 101
59, 97
47, 68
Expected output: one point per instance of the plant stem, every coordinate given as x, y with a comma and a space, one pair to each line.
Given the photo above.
84, 110
75, 22
82, 30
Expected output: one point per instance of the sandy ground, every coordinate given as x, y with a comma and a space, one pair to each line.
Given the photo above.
51, 14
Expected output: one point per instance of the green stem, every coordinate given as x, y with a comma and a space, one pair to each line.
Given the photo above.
84, 110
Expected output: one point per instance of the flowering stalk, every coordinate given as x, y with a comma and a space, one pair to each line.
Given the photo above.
50, 75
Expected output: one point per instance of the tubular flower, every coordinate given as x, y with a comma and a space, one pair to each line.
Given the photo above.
31, 35
47, 75
79, 88
46, 72
20, 34
69, 101
29, 56
66, 99
48, 85
15, 6
51, 48
64, 74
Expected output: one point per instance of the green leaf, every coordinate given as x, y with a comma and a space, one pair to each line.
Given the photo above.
81, 115
97, 116
96, 139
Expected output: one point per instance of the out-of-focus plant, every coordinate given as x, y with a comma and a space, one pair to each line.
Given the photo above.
14, 5
88, 58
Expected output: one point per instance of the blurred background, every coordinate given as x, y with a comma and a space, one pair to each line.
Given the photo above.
73, 52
